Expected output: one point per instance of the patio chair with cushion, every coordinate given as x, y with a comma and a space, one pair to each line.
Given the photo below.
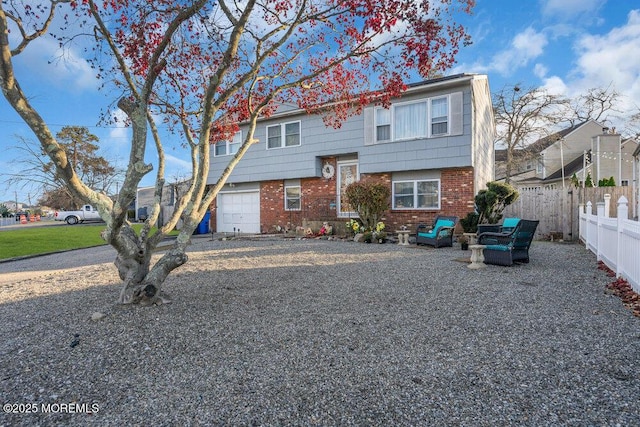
507, 248
507, 226
439, 234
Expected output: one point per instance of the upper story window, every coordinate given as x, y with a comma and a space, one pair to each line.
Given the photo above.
226, 148
383, 124
283, 135
411, 120
419, 194
439, 116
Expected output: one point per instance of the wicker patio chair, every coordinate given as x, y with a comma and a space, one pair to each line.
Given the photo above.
507, 226
507, 248
439, 234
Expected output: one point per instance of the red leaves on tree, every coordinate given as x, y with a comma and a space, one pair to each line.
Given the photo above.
332, 55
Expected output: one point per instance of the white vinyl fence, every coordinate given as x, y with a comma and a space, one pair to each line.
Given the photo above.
615, 241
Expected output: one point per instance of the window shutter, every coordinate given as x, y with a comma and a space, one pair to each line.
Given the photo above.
369, 126
456, 113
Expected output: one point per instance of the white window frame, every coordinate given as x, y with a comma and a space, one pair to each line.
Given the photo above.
377, 124
447, 117
283, 136
286, 198
415, 195
236, 141
428, 120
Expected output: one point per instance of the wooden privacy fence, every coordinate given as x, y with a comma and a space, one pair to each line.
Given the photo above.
557, 208
615, 241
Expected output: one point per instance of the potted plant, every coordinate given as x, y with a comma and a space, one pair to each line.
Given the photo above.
464, 242
470, 222
381, 236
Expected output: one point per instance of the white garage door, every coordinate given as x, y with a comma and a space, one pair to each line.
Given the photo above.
240, 211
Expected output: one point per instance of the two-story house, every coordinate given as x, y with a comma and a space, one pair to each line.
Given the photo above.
585, 149
433, 148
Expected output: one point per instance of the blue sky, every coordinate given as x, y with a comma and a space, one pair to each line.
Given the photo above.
567, 46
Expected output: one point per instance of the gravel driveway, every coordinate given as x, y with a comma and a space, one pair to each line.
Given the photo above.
315, 332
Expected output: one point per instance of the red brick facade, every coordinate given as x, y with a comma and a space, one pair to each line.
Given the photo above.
318, 202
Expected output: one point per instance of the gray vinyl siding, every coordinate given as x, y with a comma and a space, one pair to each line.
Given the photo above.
317, 140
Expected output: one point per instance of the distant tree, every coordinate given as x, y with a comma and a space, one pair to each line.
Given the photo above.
40, 175
588, 182
607, 182
205, 66
59, 198
82, 149
4, 210
598, 104
575, 181
522, 117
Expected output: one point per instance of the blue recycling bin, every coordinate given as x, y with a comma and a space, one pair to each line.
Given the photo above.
203, 227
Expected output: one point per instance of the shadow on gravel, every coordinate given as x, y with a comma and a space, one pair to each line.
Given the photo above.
331, 333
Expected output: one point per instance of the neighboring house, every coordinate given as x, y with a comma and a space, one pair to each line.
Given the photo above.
433, 148
170, 195
583, 149
12, 206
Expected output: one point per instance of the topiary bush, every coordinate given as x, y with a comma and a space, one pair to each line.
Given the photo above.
490, 203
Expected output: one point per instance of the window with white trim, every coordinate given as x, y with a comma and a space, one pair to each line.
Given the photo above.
292, 198
383, 124
439, 116
412, 120
283, 135
227, 148
419, 194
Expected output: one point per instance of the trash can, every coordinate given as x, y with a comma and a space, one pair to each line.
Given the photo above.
142, 214
203, 227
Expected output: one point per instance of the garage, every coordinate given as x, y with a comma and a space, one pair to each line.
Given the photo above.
238, 211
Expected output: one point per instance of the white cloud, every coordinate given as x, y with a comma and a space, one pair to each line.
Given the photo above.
540, 70
554, 85
566, 9
177, 167
63, 68
119, 132
524, 47
612, 58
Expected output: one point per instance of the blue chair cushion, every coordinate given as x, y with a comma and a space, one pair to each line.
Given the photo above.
510, 223
440, 223
503, 248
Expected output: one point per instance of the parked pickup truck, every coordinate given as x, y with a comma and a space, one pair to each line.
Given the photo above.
87, 213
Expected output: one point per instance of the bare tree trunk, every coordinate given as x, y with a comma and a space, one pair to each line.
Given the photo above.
142, 284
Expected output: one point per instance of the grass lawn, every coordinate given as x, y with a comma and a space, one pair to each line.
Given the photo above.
42, 240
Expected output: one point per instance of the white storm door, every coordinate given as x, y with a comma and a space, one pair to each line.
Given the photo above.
347, 173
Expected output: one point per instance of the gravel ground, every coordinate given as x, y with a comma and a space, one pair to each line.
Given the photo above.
316, 332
